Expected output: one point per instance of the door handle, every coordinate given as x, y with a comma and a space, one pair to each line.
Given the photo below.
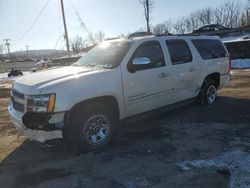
163, 74
193, 69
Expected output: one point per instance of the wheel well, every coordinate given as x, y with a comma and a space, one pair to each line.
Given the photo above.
106, 100
215, 77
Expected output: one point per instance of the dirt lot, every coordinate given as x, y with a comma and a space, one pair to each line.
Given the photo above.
193, 146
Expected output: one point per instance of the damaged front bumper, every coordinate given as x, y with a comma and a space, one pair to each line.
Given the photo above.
31, 127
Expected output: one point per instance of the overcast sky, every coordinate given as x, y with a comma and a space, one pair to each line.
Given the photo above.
113, 17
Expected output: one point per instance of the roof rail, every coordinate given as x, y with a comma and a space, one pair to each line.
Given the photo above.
178, 35
139, 34
111, 38
164, 34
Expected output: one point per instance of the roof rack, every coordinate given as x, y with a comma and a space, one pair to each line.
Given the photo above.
139, 34
164, 34
178, 35
111, 38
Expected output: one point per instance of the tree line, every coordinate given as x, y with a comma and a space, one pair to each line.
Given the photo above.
231, 14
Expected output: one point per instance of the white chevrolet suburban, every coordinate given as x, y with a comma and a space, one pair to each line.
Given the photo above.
117, 79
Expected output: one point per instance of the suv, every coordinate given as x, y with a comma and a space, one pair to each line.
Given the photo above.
115, 80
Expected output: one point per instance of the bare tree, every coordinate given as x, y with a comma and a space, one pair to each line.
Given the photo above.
99, 37
78, 44
179, 26
160, 29
95, 38
163, 28
148, 7
230, 14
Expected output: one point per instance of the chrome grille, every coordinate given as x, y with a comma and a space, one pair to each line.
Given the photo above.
17, 94
18, 101
18, 106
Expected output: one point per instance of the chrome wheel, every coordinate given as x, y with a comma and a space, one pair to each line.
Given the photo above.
96, 129
211, 94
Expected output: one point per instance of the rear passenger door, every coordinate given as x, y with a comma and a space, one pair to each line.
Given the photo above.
185, 70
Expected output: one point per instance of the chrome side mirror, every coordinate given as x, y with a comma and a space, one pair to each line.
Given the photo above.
141, 61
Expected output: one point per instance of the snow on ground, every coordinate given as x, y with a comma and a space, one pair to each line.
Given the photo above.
240, 63
236, 37
237, 162
4, 76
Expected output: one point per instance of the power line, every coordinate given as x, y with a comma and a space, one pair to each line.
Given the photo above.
28, 30
82, 23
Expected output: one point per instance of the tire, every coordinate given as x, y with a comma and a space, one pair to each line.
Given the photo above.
90, 127
208, 92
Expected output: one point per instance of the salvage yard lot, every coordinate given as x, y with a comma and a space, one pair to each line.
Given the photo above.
193, 146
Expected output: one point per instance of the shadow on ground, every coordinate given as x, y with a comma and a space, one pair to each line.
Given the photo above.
143, 153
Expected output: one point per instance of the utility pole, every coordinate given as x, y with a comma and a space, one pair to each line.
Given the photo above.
65, 29
8, 45
27, 50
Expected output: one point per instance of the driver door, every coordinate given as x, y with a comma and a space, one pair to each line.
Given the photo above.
146, 85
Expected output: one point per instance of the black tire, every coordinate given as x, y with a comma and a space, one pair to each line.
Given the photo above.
208, 92
75, 133
9, 75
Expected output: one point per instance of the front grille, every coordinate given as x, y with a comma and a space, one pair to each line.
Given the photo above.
18, 106
17, 94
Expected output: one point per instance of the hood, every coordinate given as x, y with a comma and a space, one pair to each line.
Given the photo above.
35, 80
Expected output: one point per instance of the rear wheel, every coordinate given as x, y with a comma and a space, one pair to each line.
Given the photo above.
208, 92
90, 127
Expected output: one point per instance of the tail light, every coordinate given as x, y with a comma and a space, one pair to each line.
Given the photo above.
229, 63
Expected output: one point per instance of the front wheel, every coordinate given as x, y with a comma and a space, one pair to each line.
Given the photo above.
90, 128
208, 92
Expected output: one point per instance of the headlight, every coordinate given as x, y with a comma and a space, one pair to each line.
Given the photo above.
41, 103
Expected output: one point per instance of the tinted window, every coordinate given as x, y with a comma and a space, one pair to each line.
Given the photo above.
153, 52
179, 51
210, 49
206, 28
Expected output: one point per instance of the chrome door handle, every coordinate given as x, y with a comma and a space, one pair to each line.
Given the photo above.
163, 74
193, 69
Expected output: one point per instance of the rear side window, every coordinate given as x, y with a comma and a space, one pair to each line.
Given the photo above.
179, 51
209, 49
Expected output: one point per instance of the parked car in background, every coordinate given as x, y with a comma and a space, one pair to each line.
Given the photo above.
214, 29
116, 80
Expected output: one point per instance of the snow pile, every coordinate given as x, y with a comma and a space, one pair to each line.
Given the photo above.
236, 162
234, 37
240, 63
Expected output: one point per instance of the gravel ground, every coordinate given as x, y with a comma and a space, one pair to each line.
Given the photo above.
193, 146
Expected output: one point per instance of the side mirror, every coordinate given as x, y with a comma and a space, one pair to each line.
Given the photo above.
141, 61
139, 64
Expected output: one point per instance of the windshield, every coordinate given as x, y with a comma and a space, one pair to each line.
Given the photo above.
105, 55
